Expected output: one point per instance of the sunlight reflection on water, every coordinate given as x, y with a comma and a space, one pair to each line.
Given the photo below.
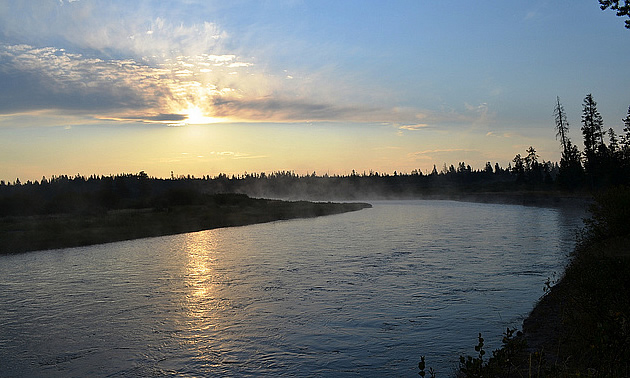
362, 293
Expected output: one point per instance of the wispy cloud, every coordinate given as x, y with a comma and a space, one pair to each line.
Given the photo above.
443, 150
439, 154
236, 155
151, 90
418, 126
479, 114
114, 60
50, 78
141, 62
501, 135
139, 28
288, 110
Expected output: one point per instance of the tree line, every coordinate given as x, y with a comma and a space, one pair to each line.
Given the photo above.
604, 162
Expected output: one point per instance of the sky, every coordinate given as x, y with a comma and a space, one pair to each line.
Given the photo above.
203, 87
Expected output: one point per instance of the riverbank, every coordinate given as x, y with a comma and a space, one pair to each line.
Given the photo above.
581, 327
85, 225
525, 198
39, 232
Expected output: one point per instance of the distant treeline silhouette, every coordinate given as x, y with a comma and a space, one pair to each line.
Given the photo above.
95, 194
600, 165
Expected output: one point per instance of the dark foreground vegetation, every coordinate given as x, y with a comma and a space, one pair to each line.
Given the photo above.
581, 327
86, 223
589, 308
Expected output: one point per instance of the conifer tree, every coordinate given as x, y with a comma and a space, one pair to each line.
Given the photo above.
613, 145
562, 125
594, 147
622, 10
624, 148
625, 138
592, 125
570, 172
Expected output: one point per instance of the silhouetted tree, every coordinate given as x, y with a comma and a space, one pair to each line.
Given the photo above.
562, 125
613, 144
592, 124
534, 170
531, 160
624, 150
625, 138
570, 172
488, 168
622, 10
595, 150
518, 169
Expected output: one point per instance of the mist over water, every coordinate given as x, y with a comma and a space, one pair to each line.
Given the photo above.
363, 293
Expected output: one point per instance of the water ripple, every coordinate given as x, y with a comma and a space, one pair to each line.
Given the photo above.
362, 293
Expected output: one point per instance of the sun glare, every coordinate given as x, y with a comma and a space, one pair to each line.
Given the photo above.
195, 116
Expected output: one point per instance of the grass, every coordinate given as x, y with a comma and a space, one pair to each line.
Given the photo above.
29, 233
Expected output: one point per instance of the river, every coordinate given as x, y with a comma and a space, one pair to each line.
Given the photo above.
357, 294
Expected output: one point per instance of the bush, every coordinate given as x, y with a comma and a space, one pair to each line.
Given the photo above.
610, 215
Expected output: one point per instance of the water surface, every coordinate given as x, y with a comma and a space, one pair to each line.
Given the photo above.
357, 294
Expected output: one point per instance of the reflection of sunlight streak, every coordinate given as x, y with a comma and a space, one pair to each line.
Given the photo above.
200, 276
204, 302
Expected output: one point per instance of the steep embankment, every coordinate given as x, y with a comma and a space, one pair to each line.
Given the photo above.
29, 233
581, 327
583, 324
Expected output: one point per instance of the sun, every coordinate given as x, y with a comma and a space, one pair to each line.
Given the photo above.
195, 116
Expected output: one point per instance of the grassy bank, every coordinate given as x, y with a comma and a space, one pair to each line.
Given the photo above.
38, 232
581, 327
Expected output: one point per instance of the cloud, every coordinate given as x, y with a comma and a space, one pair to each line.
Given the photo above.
136, 29
236, 155
220, 86
144, 62
447, 118
161, 118
440, 153
501, 135
169, 89
280, 109
418, 126
443, 150
50, 78
115, 60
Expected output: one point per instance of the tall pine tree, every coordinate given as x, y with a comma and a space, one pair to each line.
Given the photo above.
562, 125
594, 147
624, 149
570, 172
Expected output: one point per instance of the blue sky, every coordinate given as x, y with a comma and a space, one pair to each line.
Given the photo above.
203, 87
